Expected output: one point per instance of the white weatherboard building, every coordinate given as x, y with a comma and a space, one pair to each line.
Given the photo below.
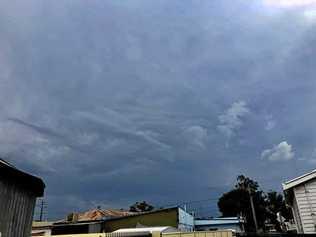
301, 196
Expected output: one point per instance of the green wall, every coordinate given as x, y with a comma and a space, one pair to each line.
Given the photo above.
168, 217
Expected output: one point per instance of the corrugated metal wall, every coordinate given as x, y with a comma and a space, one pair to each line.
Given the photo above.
167, 217
186, 221
305, 196
16, 211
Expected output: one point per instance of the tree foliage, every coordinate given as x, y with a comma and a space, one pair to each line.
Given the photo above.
275, 203
141, 207
237, 203
245, 183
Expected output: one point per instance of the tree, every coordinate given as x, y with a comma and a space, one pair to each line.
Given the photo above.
250, 186
141, 207
276, 204
237, 203
234, 203
246, 183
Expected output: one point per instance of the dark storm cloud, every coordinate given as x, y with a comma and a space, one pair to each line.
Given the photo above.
117, 101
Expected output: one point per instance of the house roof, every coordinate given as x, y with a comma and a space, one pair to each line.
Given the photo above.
10, 174
108, 214
147, 229
299, 180
98, 214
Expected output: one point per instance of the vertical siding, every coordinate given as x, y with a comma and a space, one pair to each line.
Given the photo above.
16, 211
305, 196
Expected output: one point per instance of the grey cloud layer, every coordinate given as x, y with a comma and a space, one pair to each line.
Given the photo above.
116, 97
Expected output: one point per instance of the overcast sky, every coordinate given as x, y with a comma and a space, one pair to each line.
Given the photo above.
117, 101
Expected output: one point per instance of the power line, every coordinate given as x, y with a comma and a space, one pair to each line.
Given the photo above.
189, 202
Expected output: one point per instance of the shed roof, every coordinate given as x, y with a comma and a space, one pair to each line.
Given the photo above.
77, 223
219, 221
41, 224
10, 174
147, 212
299, 180
147, 229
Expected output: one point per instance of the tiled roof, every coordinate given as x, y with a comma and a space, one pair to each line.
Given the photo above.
98, 214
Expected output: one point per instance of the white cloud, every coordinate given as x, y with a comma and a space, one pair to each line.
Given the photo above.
197, 135
231, 120
307, 8
280, 152
270, 123
290, 3
310, 15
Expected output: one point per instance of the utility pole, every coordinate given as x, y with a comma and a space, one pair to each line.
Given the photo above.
42, 210
253, 210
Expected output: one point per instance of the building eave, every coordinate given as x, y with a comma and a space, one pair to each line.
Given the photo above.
299, 180
23, 180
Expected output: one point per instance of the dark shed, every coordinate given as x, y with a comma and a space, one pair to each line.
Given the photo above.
18, 193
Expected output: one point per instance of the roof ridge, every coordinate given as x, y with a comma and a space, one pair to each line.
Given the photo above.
301, 176
298, 180
7, 163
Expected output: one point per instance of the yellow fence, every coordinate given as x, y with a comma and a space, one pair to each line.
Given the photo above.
223, 233
82, 235
175, 234
93, 235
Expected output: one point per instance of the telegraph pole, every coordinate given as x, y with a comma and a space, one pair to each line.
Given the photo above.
42, 210
253, 210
